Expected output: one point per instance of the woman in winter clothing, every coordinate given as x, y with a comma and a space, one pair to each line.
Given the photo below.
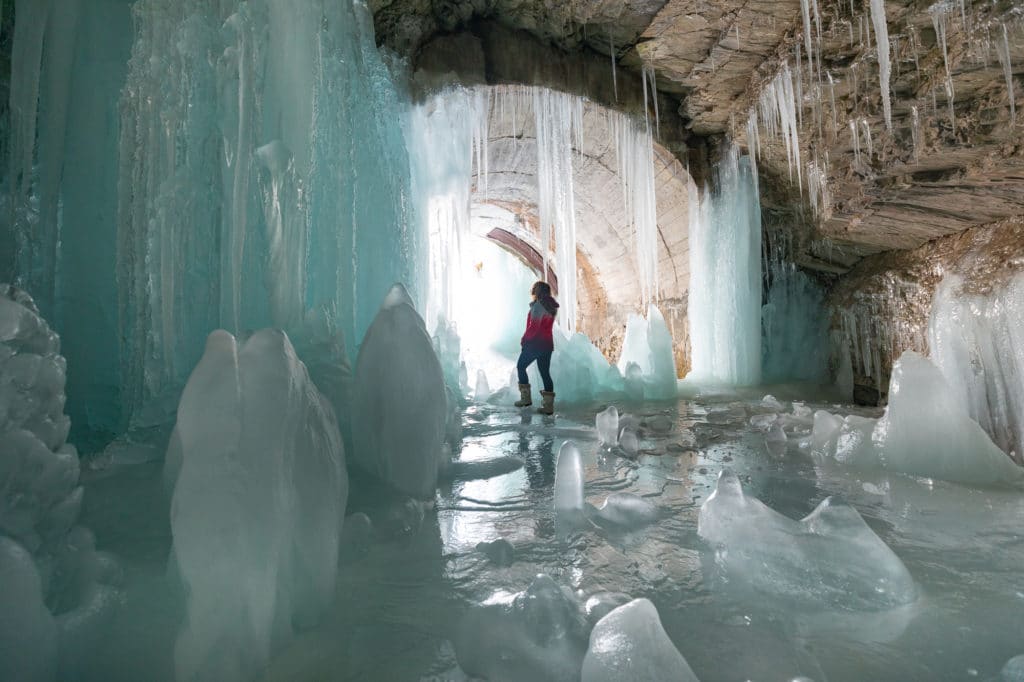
538, 345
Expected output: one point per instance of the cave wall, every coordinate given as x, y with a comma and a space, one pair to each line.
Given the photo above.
889, 296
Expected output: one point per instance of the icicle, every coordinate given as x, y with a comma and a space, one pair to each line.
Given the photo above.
867, 136
805, 12
884, 68
615, 77
939, 13
832, 98
635, 152
1003, 49
648, 72
855, 138
915, 132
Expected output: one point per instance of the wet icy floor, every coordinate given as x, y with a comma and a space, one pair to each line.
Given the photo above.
399, 602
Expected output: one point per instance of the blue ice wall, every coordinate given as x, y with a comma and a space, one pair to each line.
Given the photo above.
193, 165
794, 324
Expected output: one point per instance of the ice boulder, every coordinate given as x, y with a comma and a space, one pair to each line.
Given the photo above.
829, 558
537, 634
926, 431
608, 426
579, 370
648, 345
399, 409
28, 634
630, 644
258, 503
569, 479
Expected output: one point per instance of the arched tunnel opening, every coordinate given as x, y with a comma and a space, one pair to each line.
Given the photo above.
265, 288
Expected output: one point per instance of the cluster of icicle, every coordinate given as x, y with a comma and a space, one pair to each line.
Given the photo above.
778, 115
449, 137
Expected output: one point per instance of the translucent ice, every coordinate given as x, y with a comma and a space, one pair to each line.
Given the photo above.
648, 344
978, 343
569, 479
258, 504
537, 634
626, 510
831, 557
608, 426
482, 391
630, 644
926, 431
399, 407
629, 442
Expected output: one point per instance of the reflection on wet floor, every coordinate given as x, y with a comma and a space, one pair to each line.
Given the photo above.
405, 595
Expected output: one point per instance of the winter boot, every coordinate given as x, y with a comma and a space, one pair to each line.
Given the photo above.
524, 396
549, 402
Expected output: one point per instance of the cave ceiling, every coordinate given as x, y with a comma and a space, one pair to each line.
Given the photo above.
963, 167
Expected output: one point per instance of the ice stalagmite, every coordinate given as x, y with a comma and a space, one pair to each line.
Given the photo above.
399, 403
258, 503
631, 644
648, 345
569, 479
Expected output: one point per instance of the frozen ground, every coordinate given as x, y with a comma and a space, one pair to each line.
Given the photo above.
405, 590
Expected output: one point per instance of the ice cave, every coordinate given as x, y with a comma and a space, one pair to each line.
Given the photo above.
511, 340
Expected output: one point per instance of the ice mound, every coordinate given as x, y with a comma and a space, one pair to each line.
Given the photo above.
579, 371
925, 432
569, 479
831, 557
45, 558
630, 644
648, 344
538, 634
482, 391
28, 634
258, 504
399, 409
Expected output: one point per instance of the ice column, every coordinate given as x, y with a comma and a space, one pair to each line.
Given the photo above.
725, 276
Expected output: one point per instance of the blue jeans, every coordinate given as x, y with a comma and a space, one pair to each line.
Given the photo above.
543, 358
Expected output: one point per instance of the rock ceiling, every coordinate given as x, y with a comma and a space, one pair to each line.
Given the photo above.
886, 189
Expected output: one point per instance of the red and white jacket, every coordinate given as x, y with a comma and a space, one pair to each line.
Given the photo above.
539, 322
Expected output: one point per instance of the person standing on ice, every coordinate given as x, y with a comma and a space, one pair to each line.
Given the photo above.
538, 344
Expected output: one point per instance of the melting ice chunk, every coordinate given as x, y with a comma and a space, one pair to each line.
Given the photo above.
569, 479
831, 557
482, 391
629, 442
399, 408
627, 510
1013, 671
608, 426
630, 644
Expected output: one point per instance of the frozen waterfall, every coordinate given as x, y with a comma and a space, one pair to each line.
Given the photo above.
725, 276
